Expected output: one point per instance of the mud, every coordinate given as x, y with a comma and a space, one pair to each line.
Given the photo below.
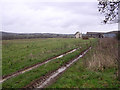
52, 76
26, 69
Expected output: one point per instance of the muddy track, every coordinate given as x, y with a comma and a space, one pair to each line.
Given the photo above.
21, 71
51, 77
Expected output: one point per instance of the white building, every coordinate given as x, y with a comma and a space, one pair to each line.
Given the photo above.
78, 35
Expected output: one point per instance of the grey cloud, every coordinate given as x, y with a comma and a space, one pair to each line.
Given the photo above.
64, 17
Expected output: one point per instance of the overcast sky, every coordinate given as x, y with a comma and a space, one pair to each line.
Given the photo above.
55, 16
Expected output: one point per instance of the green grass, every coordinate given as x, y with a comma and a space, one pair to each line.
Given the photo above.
24, 79
17, 54
78, 76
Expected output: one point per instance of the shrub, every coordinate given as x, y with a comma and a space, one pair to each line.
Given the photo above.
85, 38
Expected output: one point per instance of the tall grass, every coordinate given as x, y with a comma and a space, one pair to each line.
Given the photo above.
96, 69
104, 55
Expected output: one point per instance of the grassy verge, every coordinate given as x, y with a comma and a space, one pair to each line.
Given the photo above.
24, 79
17, 54
81, 75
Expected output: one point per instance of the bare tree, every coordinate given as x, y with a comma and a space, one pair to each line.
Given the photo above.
110, 10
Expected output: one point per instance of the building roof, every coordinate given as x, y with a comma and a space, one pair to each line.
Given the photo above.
77, 33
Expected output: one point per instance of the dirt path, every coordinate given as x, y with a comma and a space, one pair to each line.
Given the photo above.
51, 77
35, 66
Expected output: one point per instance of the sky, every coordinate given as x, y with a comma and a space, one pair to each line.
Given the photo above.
52, 16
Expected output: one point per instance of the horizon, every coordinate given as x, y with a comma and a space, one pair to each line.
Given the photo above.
53, 33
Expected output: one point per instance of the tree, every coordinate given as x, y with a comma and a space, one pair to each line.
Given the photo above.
110, 10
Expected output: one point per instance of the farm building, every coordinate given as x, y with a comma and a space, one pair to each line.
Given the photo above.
102, 35
95, 34
78, 35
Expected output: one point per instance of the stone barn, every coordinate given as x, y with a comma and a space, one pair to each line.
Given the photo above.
78, 35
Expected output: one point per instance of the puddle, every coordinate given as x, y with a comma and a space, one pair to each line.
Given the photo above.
38, 65
60, 56
60, 70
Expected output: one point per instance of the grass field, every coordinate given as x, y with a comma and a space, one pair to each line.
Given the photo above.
79, 77
18, 54
82, 75
85, 73
50, 45
24, 79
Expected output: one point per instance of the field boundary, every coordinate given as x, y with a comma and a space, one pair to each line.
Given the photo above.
21, 71
51, 76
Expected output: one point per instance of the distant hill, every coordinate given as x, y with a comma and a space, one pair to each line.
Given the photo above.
115, 32
8, 36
